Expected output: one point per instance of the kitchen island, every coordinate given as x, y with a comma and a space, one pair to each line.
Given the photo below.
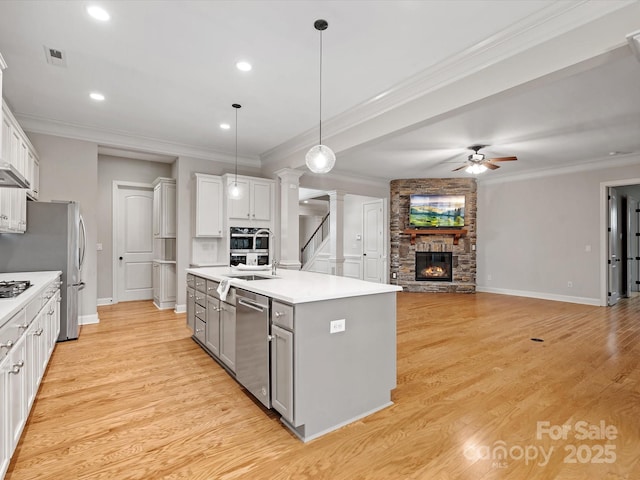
331, 343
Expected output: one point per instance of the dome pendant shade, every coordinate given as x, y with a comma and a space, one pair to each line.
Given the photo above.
320, 159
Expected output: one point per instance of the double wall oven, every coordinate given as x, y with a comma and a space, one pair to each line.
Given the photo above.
243, 250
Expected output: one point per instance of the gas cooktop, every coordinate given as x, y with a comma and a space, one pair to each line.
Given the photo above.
13, 288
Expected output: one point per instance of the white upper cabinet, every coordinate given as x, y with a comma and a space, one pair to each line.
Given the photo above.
164, 208
208, 206
256, 202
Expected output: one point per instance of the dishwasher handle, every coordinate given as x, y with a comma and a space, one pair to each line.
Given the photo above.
250, 304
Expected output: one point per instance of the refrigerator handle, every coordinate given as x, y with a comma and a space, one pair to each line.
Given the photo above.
83, 246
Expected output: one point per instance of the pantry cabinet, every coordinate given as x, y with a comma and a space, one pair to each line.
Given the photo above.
164, 208
164, 284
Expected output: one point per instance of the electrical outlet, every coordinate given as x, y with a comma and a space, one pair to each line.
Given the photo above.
337, 326
394, 275
570, 284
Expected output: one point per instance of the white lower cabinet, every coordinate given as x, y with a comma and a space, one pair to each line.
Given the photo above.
26, 345
191, 309
212, 338
164, 285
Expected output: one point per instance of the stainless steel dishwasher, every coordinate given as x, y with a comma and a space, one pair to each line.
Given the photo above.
252, 344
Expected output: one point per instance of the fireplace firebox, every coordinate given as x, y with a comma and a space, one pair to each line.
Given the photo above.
434, 266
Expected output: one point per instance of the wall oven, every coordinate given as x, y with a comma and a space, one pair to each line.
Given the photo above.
243, 250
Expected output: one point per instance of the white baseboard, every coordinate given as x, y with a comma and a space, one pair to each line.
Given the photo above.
180, 308
542, 296
88, 319
105, 301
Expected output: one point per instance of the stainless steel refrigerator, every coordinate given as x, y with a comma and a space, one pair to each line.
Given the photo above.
55, 240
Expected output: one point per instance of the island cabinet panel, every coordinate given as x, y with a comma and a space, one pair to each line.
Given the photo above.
282, 372
341, 377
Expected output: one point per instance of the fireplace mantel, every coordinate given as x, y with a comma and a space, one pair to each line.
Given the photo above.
456, 232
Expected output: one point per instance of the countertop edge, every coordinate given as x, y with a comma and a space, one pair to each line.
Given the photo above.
10, 306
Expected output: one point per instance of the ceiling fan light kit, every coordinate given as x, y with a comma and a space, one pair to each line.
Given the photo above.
320, 158
477, 163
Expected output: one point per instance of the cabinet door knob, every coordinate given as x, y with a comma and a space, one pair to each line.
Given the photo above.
279, 314
7, 345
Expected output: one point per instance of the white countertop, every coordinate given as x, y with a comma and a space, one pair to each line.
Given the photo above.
39, 280
295, 286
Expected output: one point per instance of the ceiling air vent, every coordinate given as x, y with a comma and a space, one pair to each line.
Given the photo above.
55, 57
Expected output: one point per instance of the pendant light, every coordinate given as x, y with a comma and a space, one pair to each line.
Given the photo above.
320, 159
235, 192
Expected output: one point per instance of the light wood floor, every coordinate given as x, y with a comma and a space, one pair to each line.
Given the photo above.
136, 398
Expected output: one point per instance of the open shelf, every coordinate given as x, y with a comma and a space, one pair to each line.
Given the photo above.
416, 232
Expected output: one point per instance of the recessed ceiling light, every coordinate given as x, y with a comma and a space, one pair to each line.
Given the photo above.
244, 66
98, 97
225, 126
98, 13
611, 154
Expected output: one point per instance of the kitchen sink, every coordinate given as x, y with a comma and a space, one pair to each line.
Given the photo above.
251, 277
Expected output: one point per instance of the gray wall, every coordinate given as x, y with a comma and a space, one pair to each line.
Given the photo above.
111, 169
183, 170
69, 171
533, 233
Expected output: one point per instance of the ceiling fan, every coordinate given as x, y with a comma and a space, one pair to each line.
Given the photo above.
477, 163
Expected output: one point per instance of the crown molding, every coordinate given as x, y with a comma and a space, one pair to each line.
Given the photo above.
544, 25
125, 141
596, 164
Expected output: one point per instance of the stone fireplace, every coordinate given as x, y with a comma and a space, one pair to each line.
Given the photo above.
434, 267
409, 248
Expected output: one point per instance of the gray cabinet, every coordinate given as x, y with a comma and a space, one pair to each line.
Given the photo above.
228, 335
282, 320
212, 338
191, 308
282, 372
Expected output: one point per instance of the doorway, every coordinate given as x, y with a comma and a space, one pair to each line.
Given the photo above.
132, 242
620, 242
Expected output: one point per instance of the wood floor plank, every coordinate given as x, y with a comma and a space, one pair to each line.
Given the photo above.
136, 398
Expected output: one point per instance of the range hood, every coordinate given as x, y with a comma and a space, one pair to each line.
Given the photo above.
11, 177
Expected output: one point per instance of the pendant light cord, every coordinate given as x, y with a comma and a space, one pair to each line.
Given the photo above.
236, 146
320, 142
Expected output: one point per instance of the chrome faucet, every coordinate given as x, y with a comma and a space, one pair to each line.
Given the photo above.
273, 236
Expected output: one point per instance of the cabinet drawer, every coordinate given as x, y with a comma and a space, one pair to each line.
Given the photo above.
201, 284
191, 281
282, 315
200, 330
212, 287
11, 332
201, 312
201, 298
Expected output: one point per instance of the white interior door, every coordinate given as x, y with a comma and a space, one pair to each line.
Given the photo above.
373, 242
614, 250
133, 224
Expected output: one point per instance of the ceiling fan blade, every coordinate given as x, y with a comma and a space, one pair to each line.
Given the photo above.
503, 159
459, 168
490, 165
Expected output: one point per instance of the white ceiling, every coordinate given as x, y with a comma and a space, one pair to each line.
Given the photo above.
167, 71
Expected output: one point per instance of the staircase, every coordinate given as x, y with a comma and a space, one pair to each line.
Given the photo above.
317, 239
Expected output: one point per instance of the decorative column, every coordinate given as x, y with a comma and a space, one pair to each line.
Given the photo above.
289, 236
336, 233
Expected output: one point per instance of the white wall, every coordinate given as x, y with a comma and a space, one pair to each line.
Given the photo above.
69, 171
111, 169
533, 234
